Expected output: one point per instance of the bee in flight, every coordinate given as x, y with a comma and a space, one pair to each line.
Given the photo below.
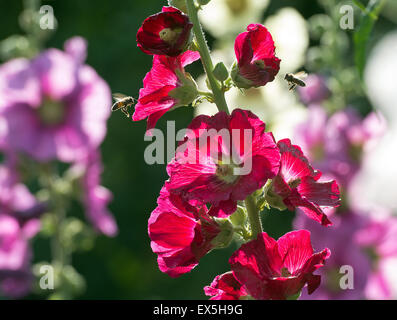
122, 102
295, 79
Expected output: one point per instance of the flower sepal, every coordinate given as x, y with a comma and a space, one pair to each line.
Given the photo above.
225, 235
187, 92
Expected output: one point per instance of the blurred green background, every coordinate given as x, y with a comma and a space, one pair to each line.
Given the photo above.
124, 267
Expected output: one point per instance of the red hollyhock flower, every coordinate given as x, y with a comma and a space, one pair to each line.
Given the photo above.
166, 86
225, 287
180, 234
165, 33
256, 60
296, 185
271, 269
223, 159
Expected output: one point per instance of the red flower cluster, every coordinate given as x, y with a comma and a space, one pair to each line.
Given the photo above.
223, 161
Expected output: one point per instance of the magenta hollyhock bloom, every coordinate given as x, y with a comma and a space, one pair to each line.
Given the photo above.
379, 240
256, 60
53, 107
346, 251
166, 86
180, 234
297, 185
95, 197
276, 270
224, 159
315, 91
15, 256
165, 33
225, 287
335, 145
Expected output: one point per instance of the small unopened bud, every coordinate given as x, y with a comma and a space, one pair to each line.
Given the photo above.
180, 4
220, 72
203, 2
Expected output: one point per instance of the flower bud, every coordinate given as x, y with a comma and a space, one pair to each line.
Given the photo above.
180, 4
220, 72
203, 2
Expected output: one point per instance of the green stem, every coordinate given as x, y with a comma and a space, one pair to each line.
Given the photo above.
216, 88
253, 216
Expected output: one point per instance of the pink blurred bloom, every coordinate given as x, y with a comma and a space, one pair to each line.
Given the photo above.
346, 251
335, 145
298, 185
180, 234
256, 60
315, 91
15, 255
205, 167
54, 107
160, 85
379, 240
96, 198
276, 270
225, 287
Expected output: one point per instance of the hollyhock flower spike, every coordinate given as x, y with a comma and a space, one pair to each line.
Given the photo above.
224, 160
165, 33
182, 234
278, 270
256, 61
165, 87
297, 185
225, 287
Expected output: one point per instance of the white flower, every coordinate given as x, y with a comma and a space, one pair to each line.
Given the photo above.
222, 17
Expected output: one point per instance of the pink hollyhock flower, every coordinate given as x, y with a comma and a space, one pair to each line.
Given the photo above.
15, 256
271, 269
16, 200
346, 251
335, 145
315, 91
180, 234
95, 197
297, 185
166, 86
256, 60
223, 160
53, 107
165, 33
225, 287
379, 240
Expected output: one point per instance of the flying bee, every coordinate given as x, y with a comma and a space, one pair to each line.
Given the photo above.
295, 79
122, 102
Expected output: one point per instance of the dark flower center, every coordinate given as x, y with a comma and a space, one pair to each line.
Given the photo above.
225, 172
51, 112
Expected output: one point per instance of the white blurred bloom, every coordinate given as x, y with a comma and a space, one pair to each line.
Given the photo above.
221, 17
380, 76
375, 186
291, 37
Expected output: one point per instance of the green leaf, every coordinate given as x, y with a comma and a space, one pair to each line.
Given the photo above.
361, 37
